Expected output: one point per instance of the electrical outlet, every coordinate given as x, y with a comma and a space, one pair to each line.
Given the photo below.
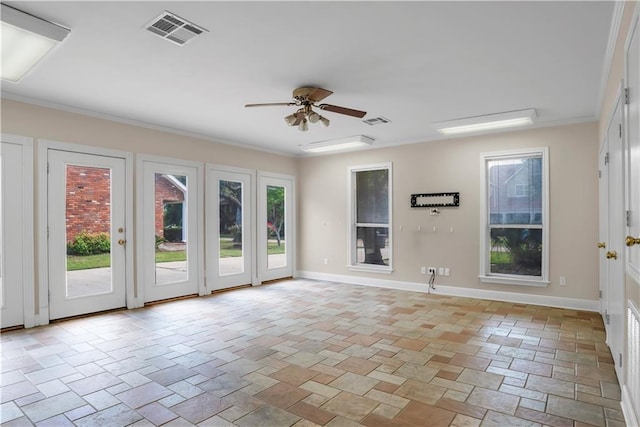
431, 270
423, 270
447, 271
563, 281
326, 261
441, 271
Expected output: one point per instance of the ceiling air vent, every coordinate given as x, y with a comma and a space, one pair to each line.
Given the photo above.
173, 28
376, 121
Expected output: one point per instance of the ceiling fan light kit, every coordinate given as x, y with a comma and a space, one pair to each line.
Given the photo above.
307, 98
505, 120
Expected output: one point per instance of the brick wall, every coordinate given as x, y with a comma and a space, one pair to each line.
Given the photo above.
88, 200
166, 192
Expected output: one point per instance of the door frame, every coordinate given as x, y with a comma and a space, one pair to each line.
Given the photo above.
261, 239
212, 212
44, 145
28, 249
140, 219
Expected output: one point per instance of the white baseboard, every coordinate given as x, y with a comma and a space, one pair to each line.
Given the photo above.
549, 301
627, 408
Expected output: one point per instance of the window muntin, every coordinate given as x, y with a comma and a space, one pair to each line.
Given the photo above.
515, 237
371, 217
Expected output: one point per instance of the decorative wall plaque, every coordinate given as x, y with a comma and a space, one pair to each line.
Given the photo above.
435, 200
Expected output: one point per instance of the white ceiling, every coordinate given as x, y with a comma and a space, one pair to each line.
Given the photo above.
413, 63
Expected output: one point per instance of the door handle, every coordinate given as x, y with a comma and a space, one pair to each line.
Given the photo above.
612, 254
602, 245
630, 241
121, 242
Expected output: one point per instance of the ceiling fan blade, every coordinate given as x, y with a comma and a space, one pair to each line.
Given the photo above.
343, 110
272, 104
319, 94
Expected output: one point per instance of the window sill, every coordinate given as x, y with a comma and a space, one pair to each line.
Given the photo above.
514, 281
370, 268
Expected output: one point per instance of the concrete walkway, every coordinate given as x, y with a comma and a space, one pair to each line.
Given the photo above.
98, 280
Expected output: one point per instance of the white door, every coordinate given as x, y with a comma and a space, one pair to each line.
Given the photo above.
603, 193
87, 233
276, 229
230, 214
169, 218
614, 252
15, 239
632, 61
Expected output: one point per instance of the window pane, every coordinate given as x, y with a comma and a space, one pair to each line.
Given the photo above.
372, 245
88, 218
516, 251
230, 240
515, 190
276, 233
171, 228
372, 195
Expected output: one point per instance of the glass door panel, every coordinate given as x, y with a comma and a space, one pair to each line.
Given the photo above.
88, 230
231, 248
276, 230
171, 228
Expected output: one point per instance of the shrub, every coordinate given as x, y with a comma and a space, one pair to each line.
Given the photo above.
89, 244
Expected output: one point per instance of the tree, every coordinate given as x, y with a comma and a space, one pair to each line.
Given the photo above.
275, 211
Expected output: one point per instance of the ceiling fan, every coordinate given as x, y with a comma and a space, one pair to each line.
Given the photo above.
307, 98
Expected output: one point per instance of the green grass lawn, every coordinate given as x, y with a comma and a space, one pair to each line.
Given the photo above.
104, 260
500, 257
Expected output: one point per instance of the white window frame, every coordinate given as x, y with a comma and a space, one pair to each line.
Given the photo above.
485, 254
353, 264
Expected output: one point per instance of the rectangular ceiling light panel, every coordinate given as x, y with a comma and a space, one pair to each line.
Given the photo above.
337, 144
26, 39
173, 28
487, 122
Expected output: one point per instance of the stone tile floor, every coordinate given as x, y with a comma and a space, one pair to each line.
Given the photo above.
308, 353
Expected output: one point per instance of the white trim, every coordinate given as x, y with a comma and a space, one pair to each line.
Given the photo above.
351, 219
543, 300
29, 316
616, 20
513, 280
627, 408
44, 146
484, 217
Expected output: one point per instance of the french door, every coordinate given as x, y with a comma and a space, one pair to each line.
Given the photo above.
16, 236
230, 219
275, 227
169, 217
87, 234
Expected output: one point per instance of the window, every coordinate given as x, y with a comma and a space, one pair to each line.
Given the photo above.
370, 218
514, 209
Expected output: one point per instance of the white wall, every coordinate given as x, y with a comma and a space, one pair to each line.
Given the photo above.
450, 166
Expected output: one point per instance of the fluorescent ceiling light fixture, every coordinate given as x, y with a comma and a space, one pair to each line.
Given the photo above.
26, 39
337, 144
487, 122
